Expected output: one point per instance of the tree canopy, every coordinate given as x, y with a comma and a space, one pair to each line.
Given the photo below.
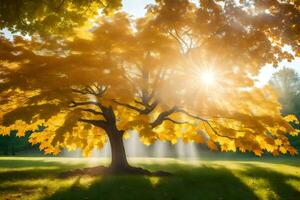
182, 71
52, 18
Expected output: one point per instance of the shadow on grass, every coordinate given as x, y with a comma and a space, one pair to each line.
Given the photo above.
20, 163
199, 183
31, 169
277, 182
189, 182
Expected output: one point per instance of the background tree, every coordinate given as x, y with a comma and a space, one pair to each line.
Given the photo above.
183, 71
287, 83
11, 144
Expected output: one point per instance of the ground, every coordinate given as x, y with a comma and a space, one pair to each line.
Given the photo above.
37, 178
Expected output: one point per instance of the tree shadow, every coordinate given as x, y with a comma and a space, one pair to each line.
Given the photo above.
187, 182
17, 176
277, 181
198, 183
9, 163
31, 169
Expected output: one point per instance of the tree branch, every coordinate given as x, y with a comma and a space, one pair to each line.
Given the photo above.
138, 102
149, 108
207, 122
175, 122
178, 40
98, 123
162, 116
127, 106
89, 90
192, 116
75, 104
92, 111
80, 91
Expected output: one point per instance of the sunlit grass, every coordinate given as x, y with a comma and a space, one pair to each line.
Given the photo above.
37, 178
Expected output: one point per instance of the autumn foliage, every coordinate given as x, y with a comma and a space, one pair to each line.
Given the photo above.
144, 75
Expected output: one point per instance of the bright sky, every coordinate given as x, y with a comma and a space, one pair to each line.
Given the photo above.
136, 8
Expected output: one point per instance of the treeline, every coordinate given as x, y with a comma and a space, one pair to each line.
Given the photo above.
11, 144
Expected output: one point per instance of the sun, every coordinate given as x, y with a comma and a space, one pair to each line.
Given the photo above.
207, 77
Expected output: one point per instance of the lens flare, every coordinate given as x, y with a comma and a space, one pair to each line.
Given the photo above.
208, 77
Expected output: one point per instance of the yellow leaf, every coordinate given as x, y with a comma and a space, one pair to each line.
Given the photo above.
211, 145
291, 118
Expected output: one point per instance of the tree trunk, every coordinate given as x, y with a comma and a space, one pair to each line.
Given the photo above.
118, 155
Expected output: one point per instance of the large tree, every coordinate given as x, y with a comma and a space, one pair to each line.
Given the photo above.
182, 71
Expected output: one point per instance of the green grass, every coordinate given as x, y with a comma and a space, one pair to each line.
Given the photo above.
36, 178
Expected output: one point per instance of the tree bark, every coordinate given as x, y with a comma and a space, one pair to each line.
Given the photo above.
118, 155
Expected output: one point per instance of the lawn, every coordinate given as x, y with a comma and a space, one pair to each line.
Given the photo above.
37, 178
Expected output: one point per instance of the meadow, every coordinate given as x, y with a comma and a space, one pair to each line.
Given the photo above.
38, 178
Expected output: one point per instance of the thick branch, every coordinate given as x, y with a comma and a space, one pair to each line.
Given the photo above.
92, 111
163, 116
138, 102
150, 108
98, 123
75, 104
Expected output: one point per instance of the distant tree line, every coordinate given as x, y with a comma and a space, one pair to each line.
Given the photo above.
10, 144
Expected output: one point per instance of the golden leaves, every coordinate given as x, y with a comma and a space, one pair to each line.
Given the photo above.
291, 118
4, 131
141, 66
211, 145
148, 136
257, 152
226, 144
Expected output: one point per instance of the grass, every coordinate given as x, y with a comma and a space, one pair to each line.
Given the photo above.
36, 178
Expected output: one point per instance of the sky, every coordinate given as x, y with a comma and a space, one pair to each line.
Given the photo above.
136, 8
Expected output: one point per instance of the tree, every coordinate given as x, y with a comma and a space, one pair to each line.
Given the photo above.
182, 71
54, 18
7, 144
11, 144
287, 83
